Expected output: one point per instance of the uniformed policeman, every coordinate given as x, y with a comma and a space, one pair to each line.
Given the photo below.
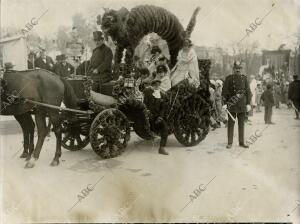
294, 94
100, 62
236, 96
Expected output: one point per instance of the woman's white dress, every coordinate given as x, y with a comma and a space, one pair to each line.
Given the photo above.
186, 68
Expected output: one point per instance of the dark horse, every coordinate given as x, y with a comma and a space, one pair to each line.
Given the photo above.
42, 86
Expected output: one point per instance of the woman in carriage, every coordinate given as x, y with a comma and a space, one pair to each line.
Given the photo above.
186, 66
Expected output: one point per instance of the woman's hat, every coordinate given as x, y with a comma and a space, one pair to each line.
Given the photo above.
187, 42
155, 49
162, 58
161, 68
144, 71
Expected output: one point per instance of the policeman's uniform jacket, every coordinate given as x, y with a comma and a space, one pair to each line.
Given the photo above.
63, 70
101, 60
236, 93
46, 63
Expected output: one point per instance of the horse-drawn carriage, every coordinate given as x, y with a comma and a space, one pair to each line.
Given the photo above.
106, 123
105, 120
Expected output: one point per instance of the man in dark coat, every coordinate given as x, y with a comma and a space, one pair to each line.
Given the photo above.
62, 67
57, 62
268, 99
44, 61
100, 62
155, 102
294, 94
237, 97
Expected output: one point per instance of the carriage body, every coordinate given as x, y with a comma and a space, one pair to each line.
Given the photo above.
107, 127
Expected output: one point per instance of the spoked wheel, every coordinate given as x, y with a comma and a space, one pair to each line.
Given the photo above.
75, 136
137, 112
109, 133
191, 128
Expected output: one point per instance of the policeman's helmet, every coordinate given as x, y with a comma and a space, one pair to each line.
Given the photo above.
237, 64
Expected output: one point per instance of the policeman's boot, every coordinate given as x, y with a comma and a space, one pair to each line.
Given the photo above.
162, 150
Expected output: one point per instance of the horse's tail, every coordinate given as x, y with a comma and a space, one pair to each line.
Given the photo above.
70, 98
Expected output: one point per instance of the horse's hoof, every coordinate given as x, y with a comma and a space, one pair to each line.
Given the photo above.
28, 158
24, 155
29, 164
54, 163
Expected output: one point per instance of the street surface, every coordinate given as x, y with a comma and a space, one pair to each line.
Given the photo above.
203, 183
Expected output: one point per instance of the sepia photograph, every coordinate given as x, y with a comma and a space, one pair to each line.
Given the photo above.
149, 111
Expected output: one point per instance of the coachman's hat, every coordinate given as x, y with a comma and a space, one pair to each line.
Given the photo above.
98, 35
162, 58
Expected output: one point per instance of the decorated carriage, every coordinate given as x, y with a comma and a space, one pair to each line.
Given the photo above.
107, 128
106, 119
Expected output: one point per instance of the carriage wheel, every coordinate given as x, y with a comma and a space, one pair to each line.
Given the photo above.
191, 128
75, 138
136, 111
109, 133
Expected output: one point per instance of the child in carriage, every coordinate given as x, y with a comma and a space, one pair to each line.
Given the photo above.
155, 102
164, 76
